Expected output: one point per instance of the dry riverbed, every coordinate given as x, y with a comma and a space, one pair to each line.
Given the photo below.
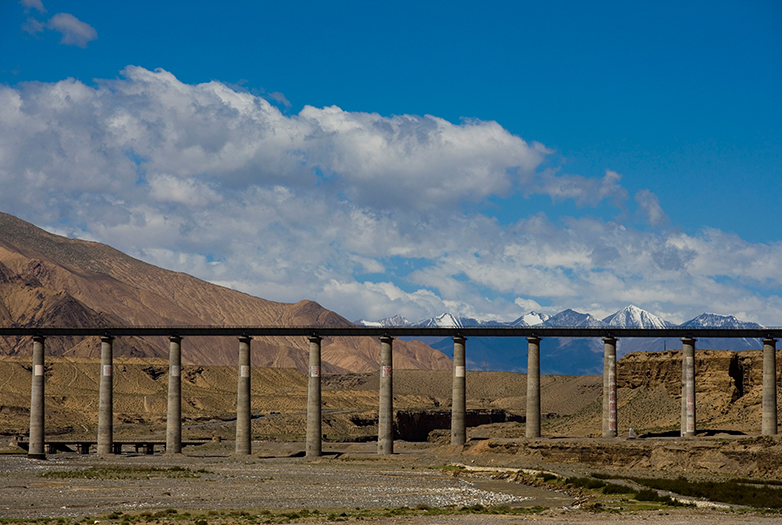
417, 485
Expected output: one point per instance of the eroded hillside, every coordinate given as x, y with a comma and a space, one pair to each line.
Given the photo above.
49, 280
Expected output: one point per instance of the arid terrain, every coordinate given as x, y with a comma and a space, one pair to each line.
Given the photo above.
351, 475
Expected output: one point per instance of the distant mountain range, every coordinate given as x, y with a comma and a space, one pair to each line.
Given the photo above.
628, 317
564, 355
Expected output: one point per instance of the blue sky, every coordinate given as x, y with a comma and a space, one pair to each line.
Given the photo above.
481, 158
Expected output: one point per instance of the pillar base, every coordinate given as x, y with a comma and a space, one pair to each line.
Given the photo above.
36, 456
689, 434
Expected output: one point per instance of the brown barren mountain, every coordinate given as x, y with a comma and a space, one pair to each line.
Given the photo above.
49, 280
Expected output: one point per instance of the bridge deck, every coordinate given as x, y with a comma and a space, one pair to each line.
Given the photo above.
356, 331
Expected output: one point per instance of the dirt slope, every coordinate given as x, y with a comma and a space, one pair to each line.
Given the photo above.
48, 280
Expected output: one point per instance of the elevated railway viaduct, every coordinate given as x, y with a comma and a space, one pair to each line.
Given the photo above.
315, 334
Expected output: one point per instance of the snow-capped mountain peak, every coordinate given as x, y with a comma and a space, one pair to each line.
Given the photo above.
447, 320
571, 318
628, 317
706, 320
633, 317
388, 322
530, 319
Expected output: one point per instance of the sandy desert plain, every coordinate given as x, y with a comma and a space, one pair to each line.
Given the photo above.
499, 476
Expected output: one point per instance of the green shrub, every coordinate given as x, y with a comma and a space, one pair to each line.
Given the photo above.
731, 492
613, 488
586, 483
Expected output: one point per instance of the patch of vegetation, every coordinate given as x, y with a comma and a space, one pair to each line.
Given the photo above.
125, 473
733, 492
652, 496
545, 476
585, 483
615, 488
771, 482
598, 484
289, 516
452, 468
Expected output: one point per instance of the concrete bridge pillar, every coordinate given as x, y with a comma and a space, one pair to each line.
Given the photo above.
106, 397
36, 449
769, 422
314, 421
533, 387
458, 398
174, 412
609, 387
385, 420
243, 418
688, 428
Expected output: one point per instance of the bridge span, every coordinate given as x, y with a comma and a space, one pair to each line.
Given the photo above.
315, 334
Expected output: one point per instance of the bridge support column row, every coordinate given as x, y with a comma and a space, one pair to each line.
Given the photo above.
106, 397
37, 448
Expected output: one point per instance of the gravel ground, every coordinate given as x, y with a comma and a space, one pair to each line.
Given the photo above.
352, 477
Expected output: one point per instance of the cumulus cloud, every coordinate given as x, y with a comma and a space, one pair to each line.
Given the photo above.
74, 32
358, 211
279, 98
33, 4
190, 192
650, 207
32, 26
584, 191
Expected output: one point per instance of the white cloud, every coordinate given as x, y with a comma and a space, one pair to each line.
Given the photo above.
650, 207
74, 32
32, 26
32, 4
219, 183
584, 191
190, 192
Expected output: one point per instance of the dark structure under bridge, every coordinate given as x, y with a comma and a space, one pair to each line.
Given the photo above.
534, 335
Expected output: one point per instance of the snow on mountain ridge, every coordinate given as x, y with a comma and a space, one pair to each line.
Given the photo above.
628, 317
447, 320
707, 320
396, 321
633, 317
529, 319
571, 318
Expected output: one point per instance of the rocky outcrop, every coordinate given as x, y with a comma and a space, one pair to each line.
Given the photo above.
717, 371
750, 457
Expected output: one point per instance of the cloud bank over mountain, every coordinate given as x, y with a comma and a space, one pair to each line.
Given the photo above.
369, 215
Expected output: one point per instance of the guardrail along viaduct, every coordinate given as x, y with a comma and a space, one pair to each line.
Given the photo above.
534, 336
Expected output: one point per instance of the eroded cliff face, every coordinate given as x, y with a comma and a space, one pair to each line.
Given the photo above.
717, 371
729, 388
